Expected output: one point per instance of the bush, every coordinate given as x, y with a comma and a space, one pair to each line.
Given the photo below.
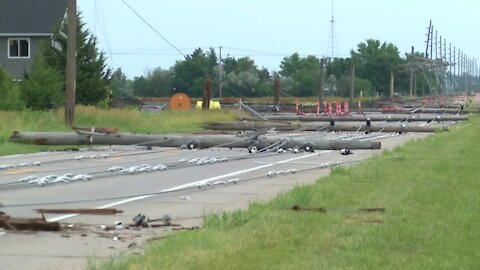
10, 99
43, 86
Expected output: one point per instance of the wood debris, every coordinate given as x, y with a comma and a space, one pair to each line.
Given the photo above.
32, 224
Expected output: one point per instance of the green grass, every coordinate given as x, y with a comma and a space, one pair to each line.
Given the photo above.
430, 189
127, 120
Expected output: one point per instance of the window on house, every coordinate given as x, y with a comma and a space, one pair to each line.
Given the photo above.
18, 48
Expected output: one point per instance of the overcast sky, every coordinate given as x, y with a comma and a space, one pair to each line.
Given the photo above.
269, 30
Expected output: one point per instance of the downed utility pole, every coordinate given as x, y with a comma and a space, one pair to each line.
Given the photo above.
255, 125
250, 110
187, 141
82, 211
373, 117
439, 110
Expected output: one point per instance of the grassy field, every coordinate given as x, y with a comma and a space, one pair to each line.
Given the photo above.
430, 189
128, 120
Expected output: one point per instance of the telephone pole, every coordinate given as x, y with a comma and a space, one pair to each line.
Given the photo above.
71, 63
352, 84
322, 81
220, 75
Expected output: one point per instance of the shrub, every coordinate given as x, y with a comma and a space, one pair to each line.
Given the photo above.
43, 86
9, 93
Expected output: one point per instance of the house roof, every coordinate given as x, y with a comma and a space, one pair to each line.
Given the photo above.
30, 17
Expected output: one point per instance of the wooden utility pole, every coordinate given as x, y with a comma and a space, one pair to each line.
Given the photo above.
276, 92
325, 126
322, 81
391, 85
71, 63
207, 93
411, 79
352, 84
414, 84
412, 69
220, 74
373, 117
195, 140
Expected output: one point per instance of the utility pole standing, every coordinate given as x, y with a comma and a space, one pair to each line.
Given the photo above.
391, 85
207, 93
411, 79
414, 84
431, 41
322, 80
352, 84
455, 67
441, 48
220, 74
71, 63
276, 92
445, 49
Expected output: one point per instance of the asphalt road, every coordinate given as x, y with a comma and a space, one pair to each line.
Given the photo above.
173, 191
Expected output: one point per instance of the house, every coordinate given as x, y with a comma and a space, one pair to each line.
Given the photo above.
24, 24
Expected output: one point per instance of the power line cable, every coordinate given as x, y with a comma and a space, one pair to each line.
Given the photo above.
151, 27
169, 191
99, 20
103, 28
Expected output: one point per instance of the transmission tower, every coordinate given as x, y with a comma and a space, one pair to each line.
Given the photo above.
331, 50
332, 38
436, 66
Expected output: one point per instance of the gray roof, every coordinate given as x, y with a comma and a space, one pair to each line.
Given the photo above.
30, 16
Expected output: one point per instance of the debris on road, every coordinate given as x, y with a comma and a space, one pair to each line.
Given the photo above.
31, 224
118, 225
140, 220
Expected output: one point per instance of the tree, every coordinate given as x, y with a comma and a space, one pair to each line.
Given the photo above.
10, 94
190, 73
361, 85
241, 84
93, 75
156, 83
374, 61
243, 78
120, 85
305, 73
339, 67
43, 86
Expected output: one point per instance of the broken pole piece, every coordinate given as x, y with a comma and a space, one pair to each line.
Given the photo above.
324, 209
82, 211
29, 224
317, 209
374, 209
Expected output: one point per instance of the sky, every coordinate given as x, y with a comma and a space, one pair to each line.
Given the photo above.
269, 30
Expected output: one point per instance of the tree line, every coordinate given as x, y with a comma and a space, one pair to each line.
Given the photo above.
44, 86
298, 75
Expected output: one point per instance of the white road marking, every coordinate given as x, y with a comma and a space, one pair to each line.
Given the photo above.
189, 185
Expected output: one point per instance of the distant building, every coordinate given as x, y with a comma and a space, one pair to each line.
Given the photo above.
24, 24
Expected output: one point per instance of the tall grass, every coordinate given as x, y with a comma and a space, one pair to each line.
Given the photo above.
127, 120
430, 190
